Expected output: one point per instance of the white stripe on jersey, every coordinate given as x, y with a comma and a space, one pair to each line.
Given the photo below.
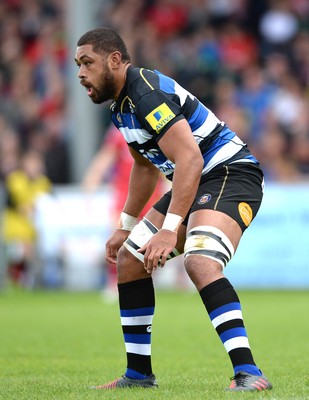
211, 120
141, 320
208, 126
182, 93
225, 153
141, 135
135, 135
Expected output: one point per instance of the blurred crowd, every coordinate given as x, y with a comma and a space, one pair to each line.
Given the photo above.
247, 60
33, 60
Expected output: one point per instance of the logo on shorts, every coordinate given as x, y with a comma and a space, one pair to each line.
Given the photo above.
204, 199
245, 212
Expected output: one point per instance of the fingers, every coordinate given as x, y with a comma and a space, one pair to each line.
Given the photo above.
114, 243
112, 260
157, 249
153, 258
148, 265
111, 255
151, 263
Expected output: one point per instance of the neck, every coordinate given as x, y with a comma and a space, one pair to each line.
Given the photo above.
122, 78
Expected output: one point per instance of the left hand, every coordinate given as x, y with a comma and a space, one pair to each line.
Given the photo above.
157, 249
114, 243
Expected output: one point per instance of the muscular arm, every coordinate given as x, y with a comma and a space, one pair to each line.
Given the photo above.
143, 180
180, 147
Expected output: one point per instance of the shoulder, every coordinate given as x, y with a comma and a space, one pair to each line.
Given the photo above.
142, 75
141, 81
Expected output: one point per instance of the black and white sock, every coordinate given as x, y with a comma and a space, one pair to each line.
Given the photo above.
224, 309
137, 305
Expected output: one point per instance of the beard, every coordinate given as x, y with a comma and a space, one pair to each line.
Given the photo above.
106, 87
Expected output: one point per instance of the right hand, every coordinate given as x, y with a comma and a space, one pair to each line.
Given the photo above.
158, 248
114, 243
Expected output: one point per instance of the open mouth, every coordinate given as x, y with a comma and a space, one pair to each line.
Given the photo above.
89, 90
88, 87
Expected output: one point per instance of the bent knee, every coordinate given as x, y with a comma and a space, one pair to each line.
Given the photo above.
129, 268
202, 270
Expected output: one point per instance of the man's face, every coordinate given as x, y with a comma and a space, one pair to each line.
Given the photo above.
95, 74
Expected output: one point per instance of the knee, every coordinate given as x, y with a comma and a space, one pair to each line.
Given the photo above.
123, 260
202, 270
129, 268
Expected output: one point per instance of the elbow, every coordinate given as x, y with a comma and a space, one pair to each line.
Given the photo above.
192, 164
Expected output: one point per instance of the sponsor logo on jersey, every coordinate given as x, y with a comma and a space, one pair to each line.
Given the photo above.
204, 199
245, 212
159, 117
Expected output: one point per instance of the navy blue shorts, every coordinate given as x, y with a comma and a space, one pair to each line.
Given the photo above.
235, 189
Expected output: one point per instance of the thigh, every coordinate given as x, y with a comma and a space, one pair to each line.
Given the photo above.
218, 220
226, 202
234, 190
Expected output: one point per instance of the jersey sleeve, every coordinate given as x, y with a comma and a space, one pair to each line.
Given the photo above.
157, 112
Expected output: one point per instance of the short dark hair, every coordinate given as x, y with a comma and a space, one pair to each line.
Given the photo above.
105, 40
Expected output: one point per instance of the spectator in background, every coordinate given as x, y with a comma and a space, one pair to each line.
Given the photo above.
23, 187
274, 150
33, 55
255, 95
9, 149
168, 17
228, 109
278, 26
300, 58
237, 48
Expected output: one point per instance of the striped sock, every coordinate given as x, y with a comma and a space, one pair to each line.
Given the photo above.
223, 306
137, 304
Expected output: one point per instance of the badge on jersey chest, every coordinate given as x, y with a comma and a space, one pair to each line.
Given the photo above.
159, 117
119, 120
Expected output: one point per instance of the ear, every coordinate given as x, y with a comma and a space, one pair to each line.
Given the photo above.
115, 59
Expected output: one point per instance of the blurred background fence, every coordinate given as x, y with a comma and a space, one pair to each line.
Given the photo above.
247, 60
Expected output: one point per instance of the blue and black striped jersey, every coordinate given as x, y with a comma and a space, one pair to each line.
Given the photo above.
150, 103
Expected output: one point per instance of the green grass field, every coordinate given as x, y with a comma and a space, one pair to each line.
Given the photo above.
54, 345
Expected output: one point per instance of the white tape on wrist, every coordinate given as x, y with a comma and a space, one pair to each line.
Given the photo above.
172, 222
126, 222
